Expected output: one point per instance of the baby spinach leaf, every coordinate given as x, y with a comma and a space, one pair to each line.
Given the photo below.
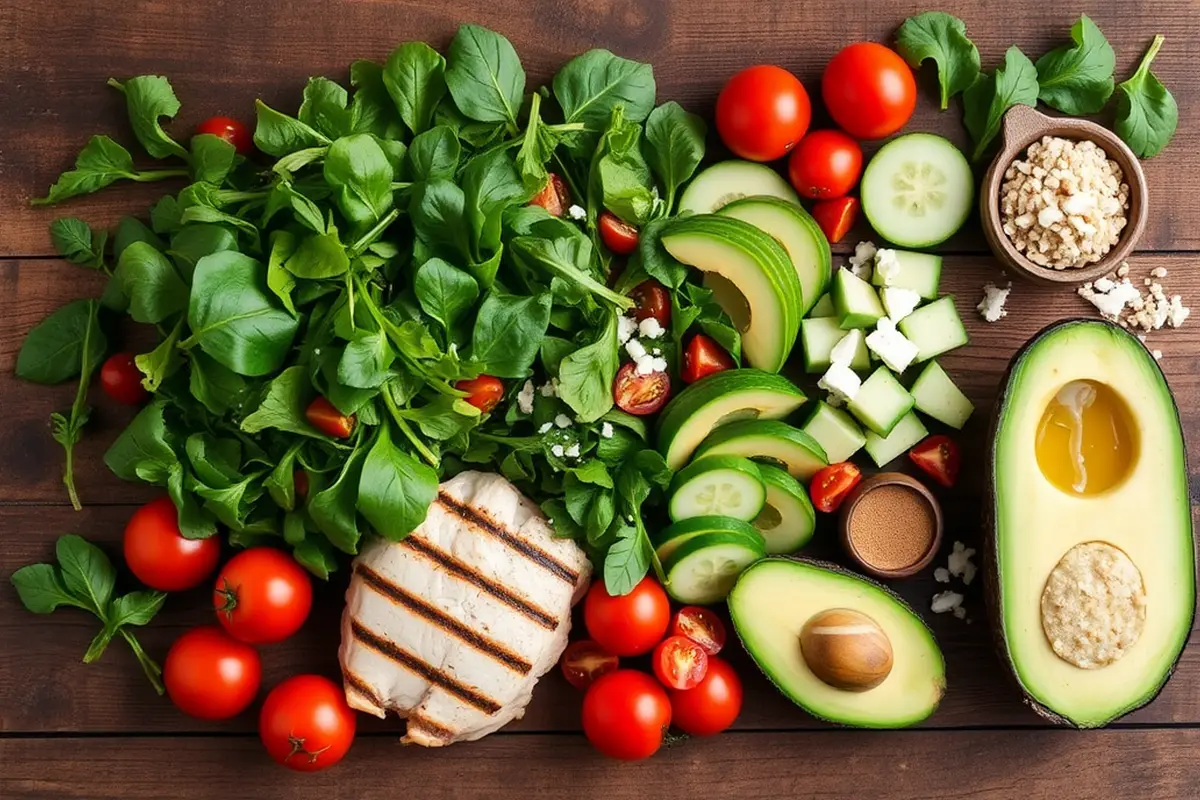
164, 215
585, 377
149, 280
317, 256
395, 489
984, 103
445, 292
149, 98
324, 108
434, 154
216, 386
1078, 79
284, 195
942, 37
485, 76
334, 509
193, 242
212, 158
490, 185
676, 140
53, 351
361, 176
100, 163
371, 109
365, 361
1147, 114
508, 332
443, 418
74, 240
277, 134
281, 482
655, 260
130, 230
41, 589
195, 522
590, 85
282, 407
142, 450
627, 561
438, 216
415, 77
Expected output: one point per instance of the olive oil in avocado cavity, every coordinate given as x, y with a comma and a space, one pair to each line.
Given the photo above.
1085, 443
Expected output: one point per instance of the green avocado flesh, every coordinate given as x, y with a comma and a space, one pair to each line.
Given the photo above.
772, 601
1144, 512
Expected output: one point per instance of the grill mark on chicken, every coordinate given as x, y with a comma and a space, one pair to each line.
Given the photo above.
416, 605
483, 522
448, 563
362, 688
394, 652
426, 725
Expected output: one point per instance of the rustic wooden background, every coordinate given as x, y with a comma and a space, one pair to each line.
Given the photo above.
74, 731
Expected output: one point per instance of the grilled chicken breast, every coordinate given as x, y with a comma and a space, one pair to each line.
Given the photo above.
452, 627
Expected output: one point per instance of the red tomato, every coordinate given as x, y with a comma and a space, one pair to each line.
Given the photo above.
554, 196
300, 484
713, 705
210, 675
160, 556
305, 723
617, 235
652, 300
825, 164
831, 484
483, 392
679, 663
262, 596
700, 625
630, 624
122, 380
625, 715
584, 661
836, 217
939, 457
869, 90
640, 394
763, 112
322, 415
231, 131
702, 357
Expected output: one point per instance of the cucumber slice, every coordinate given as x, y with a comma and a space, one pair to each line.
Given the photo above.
836, 432
704, 569
907, 433
823, 307
920, 272
767, 441
721, 485
818, 336
856, 303
721, 184
787, 521
918, 190
935, 395
671, 537
934, 329
881, 402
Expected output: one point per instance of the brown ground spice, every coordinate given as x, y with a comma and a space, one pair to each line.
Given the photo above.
892, 527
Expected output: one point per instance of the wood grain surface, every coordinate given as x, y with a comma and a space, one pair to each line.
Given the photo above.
69, 730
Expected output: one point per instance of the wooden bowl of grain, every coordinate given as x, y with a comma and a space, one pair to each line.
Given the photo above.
1024, 126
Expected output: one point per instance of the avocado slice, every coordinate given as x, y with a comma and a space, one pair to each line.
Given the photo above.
1034, 522
721, 398
775, 598
767, 440
752, 278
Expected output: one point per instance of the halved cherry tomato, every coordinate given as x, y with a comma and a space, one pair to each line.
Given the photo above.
762, 112
640, 394
869, 90
836, 217
322, 415
626, 714
713, 705
680, 663
703, 357
262, 596
483, 392
627, 624
231, 130
700, 625
652, 300
300, 484
939, 457
584, 661
554, 196
122, 380
825, 164
617, 235
160, 556
831, 485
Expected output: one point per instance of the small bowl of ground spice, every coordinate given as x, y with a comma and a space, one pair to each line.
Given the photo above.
1064, 201
891, 525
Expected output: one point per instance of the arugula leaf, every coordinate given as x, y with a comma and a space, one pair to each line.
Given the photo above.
142, 450
508, 332
1078, 79
942, 37
627, 561
149, 98
212, 158
361, 176
55, 350
277, 134
283, 405
434, 154
161, 362
149, 280
395, 490
415, 77
984, 103
324, 108
565, 259
676, 140
445, 292
41, 589
443, 418
366, 361
1147, 114
75, 241
334, 509
485, 76
585, 377
592, 84
101, 162
654, 258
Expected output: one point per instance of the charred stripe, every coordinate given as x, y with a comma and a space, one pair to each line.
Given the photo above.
435, 729
361, 687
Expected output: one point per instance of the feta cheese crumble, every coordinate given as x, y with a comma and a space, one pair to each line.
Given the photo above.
648, 364
960, 564
635, 349
899, 303
525, 398
946, 601
626, 328
606, 430
1111, 303
562, 421
887, 266
991, 307
550, 388
558, 450
650, 329
546, 426
860, 262
577, 213
843, 352
840, 381
893, 347
573, 451
941, 575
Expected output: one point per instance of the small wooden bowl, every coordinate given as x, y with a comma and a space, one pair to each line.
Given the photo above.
851, 503
1022, 127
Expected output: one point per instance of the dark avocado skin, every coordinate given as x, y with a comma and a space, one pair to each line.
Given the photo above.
991, 580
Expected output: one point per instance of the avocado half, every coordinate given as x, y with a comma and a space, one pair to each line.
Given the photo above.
1029, 524
775, 597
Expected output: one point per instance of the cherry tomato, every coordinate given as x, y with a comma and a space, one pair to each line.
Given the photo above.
836, 217
679, 663
584, 661
160, 556
300, 484
702, 357
763, 112
554, 196
869, 90
625, 715
630, 624
483, 392
262, 596
713, 705
210, 675
640, 394
122, 380
617, 235
231, 130
652, 300
939, 457
831, 485
825, 164
322, 415
305, 723
700, 625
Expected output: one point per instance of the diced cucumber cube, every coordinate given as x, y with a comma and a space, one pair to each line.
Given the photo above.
819, 336
835, 431
880, 402
936, 396
856, 303
934, 329
908, 432
823, 307
920, 272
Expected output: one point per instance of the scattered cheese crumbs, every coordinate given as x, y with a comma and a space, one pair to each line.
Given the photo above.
1157, 354
893, 347
573, 451
525, 398
1110, 304
648, 364
577, 213
656, 351
960, 564
840, 381
1103, 285
550, 388
991, 307
558, 450
1158, 272
945, 601
843, 352
635, 349
546, 426
1179, 312
941, 575
899, 303
1122, 270
1121, 301
606, 430
626, 328
960, 612
650, 329
562, 421
886, 265
860, 262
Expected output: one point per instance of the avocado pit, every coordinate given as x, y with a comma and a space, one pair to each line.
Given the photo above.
846, 649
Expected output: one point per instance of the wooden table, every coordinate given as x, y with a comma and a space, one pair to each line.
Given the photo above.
73, 731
